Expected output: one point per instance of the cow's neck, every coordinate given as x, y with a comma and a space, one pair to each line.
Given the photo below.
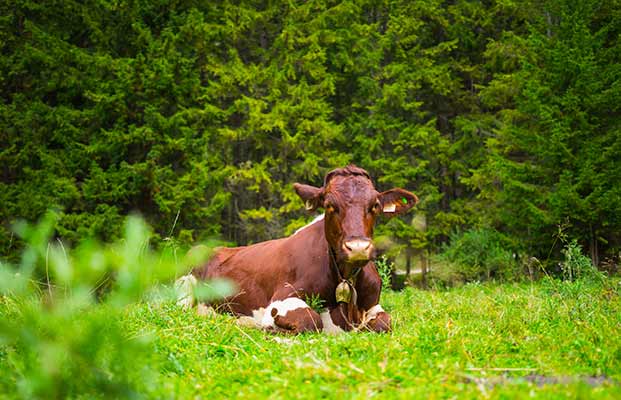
344, 275
345, 291
343, 271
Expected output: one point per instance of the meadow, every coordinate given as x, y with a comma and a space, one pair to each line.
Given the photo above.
549, 339
101, 321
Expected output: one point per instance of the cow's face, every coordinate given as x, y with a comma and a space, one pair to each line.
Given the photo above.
351, 206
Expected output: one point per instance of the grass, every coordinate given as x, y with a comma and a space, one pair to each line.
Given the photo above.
549, 340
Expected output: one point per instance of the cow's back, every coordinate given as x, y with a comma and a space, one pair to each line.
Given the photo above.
261, 269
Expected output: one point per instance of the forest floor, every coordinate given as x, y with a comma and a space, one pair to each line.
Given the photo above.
549, 339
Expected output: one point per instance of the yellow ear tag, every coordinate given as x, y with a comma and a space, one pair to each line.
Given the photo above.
390, 208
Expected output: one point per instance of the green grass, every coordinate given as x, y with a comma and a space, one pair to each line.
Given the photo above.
549, 339
477, 341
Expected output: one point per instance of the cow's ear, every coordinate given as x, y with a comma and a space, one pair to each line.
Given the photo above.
312, 196
397, 201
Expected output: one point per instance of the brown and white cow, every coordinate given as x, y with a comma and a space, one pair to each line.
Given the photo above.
331, 258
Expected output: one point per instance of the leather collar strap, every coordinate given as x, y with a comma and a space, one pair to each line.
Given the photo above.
352, 278
346, 289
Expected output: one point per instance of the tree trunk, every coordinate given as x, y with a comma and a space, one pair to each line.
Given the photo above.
593, 250
408, 263
423, 268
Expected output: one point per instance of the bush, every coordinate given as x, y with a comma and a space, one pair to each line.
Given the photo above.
576, 265
59, 337
476, 255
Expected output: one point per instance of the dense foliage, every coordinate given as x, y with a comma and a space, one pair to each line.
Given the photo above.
499, 114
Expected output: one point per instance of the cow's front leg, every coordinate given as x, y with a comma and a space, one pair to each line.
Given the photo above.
340, 317
291, 315
369, 287
377, 320
374, 319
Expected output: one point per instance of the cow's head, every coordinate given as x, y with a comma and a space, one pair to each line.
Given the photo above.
351, 206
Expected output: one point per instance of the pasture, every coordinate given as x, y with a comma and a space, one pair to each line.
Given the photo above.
549, 339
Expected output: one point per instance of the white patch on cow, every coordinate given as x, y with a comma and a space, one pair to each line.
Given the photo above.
371, 314
257, 315
317, 219
282, 307
184, 287
373, 311
329, 326
390, 207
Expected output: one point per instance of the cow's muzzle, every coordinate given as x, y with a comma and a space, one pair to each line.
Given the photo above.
358, 249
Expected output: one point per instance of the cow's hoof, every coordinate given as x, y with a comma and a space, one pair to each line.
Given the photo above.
377, 320
291, 315
381, 323
298, 320
338, 315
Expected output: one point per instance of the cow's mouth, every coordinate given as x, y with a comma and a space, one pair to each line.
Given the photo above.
350, 268
347, 266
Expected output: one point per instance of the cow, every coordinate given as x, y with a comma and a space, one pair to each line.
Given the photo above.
330, 259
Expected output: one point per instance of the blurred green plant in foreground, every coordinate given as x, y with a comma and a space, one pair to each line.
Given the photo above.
63, 336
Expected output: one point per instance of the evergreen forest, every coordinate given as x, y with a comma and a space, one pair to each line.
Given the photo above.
503, 116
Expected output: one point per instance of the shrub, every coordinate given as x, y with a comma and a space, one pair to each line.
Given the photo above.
59, 338
476, 255
576, 265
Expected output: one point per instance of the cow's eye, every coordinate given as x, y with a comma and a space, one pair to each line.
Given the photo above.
376, 208
330, 208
